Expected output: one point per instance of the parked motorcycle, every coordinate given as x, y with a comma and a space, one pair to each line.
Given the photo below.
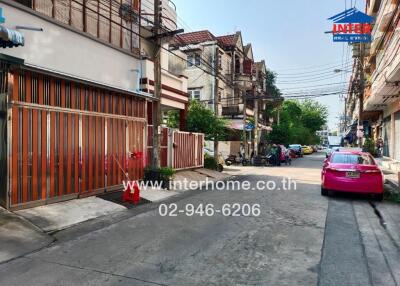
236, 160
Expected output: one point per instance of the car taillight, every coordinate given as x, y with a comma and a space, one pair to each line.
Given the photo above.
372, 171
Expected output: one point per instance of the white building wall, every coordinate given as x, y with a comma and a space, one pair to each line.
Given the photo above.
199, 78
61, 50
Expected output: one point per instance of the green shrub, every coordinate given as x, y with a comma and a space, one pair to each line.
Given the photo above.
369, 146
167, 173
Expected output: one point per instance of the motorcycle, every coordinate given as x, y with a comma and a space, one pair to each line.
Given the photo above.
236, 160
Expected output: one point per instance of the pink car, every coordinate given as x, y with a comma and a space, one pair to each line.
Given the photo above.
352, 171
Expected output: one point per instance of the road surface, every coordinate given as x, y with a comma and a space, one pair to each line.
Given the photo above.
298, 238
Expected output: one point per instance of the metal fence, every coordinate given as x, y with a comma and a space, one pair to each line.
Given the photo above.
67, 140
178, 149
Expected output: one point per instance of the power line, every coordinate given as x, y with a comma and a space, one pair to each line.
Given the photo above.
312, 96
314, 71
326, 84
315, 67
310, 80
305, 76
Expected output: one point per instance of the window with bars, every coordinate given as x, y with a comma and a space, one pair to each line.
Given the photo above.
115, 22
194, 60
195, 93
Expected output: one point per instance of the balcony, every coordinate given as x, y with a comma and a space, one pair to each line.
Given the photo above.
107, 23
373, 7
232, 110
243, 82
169, 16
383, 89
234, 107
174, 88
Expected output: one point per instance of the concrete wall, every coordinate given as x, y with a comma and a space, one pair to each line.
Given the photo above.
225, 147
64, 51
170, 80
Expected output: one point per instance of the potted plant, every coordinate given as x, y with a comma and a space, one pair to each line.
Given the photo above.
159, 176
166, 175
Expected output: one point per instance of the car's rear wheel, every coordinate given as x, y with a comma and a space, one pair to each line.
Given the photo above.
324, 192
378, 197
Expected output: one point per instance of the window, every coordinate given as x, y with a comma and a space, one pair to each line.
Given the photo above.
352, 159
195, 93
220, 60
194, 60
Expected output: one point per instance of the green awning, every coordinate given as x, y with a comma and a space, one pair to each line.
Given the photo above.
10, 38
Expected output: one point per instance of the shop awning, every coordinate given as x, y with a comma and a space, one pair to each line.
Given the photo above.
10, 38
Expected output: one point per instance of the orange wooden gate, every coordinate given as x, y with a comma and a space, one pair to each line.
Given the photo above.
69, 140
187, 151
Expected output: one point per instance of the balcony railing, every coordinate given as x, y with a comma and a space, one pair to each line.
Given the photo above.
169, 16
109, 21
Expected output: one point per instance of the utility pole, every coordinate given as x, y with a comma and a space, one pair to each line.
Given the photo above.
157, 83
256, 127
216, 96
361, 93
244, 125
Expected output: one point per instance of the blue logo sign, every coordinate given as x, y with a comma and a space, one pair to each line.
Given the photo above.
2, 19
352, 26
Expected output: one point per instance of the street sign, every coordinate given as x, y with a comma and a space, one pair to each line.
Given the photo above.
249, 126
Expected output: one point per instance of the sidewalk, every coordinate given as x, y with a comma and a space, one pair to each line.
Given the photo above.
390, 171
19, 237
59, 216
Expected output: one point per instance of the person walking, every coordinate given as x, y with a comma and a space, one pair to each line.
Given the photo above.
278, 155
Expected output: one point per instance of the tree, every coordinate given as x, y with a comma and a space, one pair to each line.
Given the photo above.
203, 120
173, 119
313, 114
299, 122
270, 84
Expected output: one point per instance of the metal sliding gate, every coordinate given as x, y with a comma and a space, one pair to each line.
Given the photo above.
178, 149
66, 139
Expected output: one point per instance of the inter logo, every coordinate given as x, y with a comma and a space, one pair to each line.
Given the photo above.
352, 26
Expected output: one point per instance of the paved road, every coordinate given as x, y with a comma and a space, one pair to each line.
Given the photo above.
300, 238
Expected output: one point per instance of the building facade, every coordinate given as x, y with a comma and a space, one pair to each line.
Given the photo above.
222, 69
375, 81
75, 99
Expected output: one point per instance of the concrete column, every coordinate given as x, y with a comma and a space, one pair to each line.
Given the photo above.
182, 118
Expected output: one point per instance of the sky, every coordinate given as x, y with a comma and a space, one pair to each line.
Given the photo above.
288, 34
